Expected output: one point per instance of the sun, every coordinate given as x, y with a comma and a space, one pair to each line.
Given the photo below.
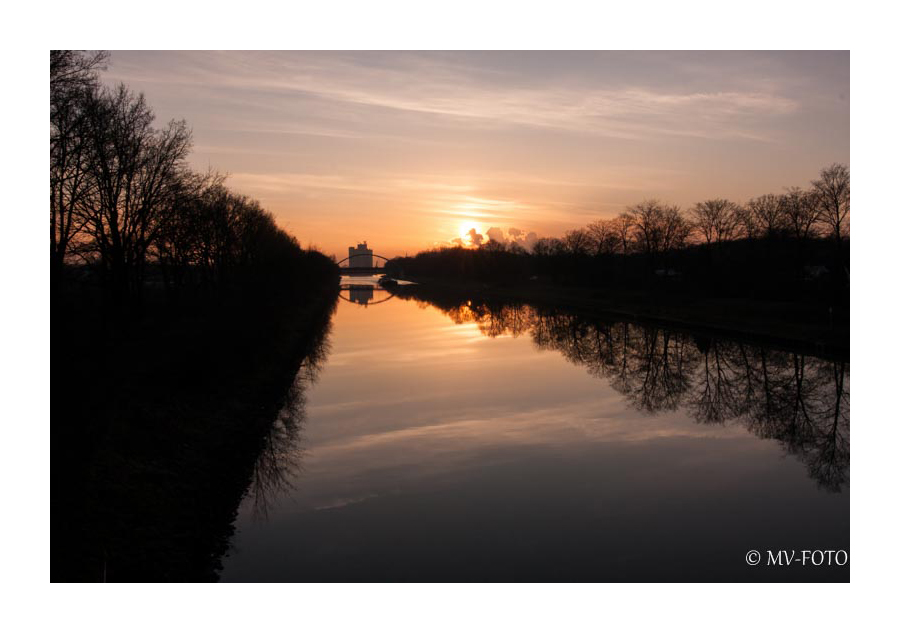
464, 229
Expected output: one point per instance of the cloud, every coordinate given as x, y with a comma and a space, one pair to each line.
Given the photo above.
633, 113
475, 238
496, 235
520, 238
339, 91
528, 241
513, 236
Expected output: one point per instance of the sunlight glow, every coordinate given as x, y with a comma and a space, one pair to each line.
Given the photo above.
464, 229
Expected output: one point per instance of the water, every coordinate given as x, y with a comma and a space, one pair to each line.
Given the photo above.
504, 443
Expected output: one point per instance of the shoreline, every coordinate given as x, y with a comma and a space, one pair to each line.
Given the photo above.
795, 326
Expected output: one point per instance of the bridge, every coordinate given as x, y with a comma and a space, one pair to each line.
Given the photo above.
362, 270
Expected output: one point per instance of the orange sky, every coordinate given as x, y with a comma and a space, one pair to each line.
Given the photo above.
411, 149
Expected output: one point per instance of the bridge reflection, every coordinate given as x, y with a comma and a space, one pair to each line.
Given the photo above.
365, 294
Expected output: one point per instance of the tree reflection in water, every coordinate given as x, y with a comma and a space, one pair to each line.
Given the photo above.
801, 401
280, 458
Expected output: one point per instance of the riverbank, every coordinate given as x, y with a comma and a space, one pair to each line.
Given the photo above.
157, 426
795, 325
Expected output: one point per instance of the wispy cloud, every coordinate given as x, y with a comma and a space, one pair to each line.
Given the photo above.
464, 94
413, 144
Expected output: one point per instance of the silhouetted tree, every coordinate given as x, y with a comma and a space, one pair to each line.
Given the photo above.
747, 226
547, 246
73, 85
136, 170
801, 212
833, 197
122, 199
604, 237
624, 224
767, 212
74, 71
675, 230
716, 220
647, 220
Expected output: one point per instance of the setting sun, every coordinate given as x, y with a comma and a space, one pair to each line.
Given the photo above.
464, 231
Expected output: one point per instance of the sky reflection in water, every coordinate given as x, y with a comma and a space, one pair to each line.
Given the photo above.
476, 443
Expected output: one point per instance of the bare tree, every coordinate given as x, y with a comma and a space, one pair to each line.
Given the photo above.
73, 83
659, 228
833, 189
136, 169
647, 219
768, 214
577, 242
746, 223
623, 224
182, 245
675, 230
716, 220
801, 212
604, 236
547, 246
73, 71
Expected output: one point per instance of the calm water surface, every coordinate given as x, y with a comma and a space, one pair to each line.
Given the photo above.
503, 442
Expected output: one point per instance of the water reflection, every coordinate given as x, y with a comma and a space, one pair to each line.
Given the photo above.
801, 401
361, 294
512, 442
364, 294
279, 463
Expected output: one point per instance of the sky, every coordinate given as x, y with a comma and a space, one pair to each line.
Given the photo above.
411, 150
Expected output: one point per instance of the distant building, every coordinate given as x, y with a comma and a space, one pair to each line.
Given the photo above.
361, 256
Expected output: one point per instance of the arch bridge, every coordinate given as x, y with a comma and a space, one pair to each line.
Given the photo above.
362, 270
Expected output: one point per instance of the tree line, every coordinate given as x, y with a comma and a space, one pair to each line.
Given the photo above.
652, 227
126, 209
770, 244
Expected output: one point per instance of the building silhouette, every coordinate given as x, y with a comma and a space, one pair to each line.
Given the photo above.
361, 256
